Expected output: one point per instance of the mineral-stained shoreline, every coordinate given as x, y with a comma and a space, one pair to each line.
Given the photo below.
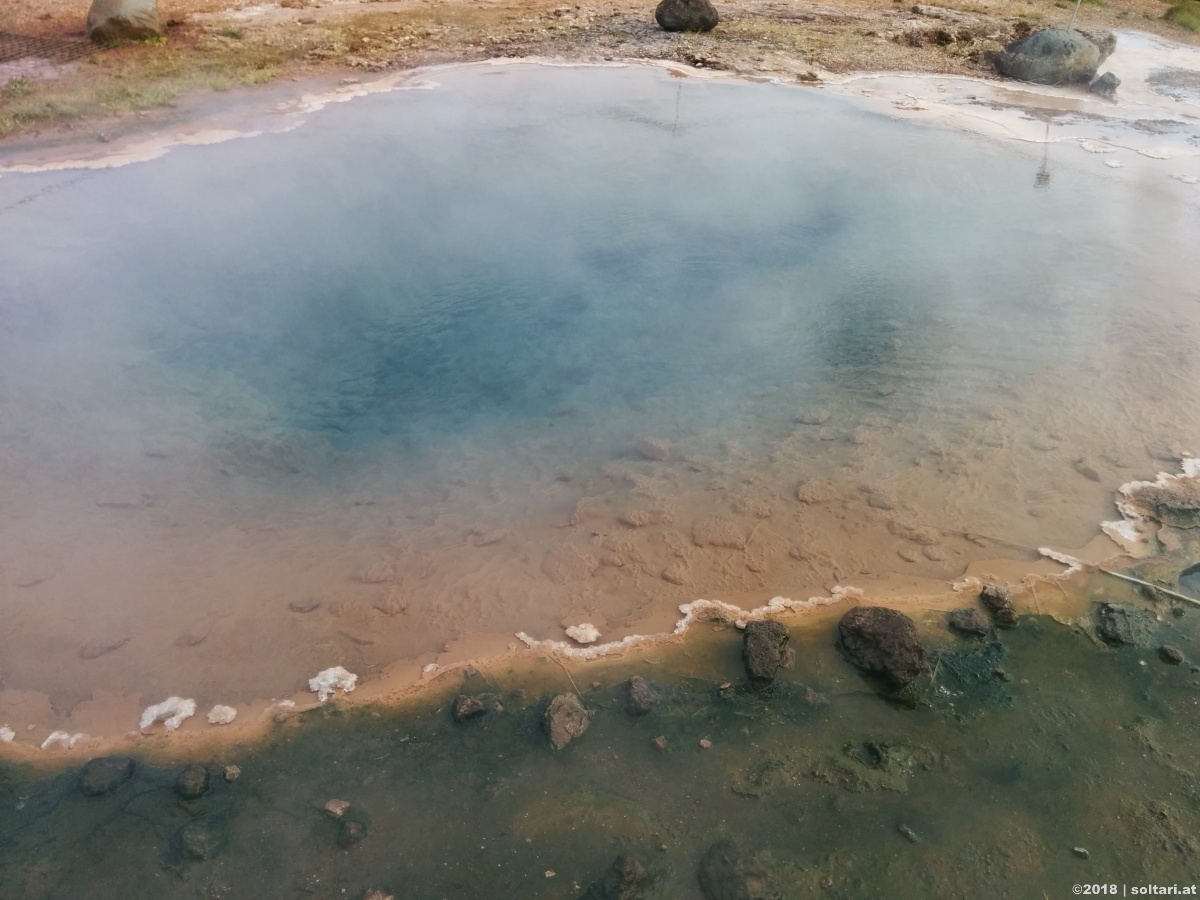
986, 768
217, 45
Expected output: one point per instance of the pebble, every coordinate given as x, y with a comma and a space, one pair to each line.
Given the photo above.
660, 742
1172, 656
705, 743
351, 833
1081, 852
192, 782
909, 834
233, 773
335, 809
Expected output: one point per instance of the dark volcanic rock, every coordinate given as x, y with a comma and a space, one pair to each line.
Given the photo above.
728, 873
640, 697
104, 775
1106, 86
686, 15
883, 642
1172, 656
202, 838
998, 600
1051, 56
969, 622
109, 21
764, 649
626, 880
351, 833
467, 708
192, 782
566, 719
1119, 625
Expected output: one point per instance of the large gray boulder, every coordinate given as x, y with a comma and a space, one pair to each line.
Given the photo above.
1056, 56
686, 15
110, 21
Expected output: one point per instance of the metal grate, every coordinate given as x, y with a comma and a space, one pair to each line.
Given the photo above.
15, 47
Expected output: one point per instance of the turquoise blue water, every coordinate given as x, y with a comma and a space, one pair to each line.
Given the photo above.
242, 374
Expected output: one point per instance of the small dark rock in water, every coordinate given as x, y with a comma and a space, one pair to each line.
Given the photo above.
192, 782
968, 621
1002, 674
909, 834
104, 775
812, 698
729, 873
764, 649
640, 698
725, 690
1106, 86
202, 838
660, 742
1081, 852
626, 880
351, 833
1171, 655
467, 708
1120, 625
998, 600
566, 719
883, 642
686, 15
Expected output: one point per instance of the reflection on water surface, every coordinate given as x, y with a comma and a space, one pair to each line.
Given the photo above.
545, 347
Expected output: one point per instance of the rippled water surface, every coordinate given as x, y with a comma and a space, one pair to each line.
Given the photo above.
537, 346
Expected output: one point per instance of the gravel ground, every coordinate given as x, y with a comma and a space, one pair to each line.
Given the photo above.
218, 44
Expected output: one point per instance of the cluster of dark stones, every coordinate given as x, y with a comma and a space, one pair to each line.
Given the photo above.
998, 601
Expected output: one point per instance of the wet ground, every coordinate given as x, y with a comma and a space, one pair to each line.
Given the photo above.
1032, 759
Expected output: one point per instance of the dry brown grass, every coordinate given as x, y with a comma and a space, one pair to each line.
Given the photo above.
212, 48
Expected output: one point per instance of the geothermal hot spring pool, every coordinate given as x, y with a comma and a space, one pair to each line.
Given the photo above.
517, 348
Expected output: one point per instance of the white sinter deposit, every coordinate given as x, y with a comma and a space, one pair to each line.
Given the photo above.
171, 712
697, 610
221, 715
328, 681
587, 633
63, 739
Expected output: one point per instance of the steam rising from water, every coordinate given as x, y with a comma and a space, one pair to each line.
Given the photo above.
336, 396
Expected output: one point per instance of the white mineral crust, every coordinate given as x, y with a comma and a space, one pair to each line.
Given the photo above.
587, 633
171, 712
63, 739
221, 715
328, 681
